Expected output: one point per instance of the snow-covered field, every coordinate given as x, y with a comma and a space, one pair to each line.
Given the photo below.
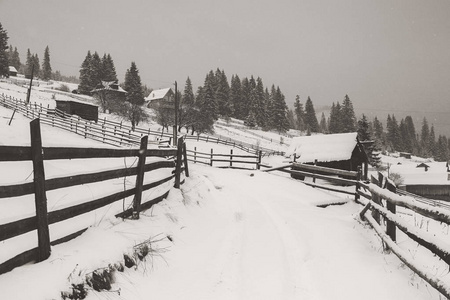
226, 234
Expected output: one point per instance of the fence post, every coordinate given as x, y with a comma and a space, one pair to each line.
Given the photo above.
140, 177
258, 164
231, 158
376, 199
390, 226
178, 163
186, 168
314, 177
357, 186
195, 155
211, 161
40, 198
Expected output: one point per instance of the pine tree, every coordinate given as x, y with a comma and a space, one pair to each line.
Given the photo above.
222, 95
310, 116
96, 73
260, 106
393, 137
36, 65
363, 129
235, 96
432, 142
425, 139
299, 114
85, 87
279, 110
135, 96
108, 69
16, 59
209, 105
187, 113
46, 67
245, 94
335, 124
442, 150
323, 124
348, 118
4, 62
29, 63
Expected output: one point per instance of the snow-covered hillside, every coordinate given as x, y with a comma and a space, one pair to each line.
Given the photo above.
226, 234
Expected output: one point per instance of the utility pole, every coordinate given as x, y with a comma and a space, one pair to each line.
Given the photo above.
31, 84
175, 127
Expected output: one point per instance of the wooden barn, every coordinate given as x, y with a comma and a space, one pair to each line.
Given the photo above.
338, 151
85, 110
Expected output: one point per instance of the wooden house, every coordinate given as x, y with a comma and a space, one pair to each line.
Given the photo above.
85, 110
12, 71
109, 89
338, 151
160, 97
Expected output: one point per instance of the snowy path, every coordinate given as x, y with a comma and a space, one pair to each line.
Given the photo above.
265, 239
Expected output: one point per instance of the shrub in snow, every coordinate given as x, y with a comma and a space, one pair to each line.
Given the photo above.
396, 178
78, 292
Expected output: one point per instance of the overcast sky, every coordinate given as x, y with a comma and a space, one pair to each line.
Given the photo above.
387, 55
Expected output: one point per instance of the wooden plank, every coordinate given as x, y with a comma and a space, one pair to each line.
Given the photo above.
330, 178
305, 167
68, 237
146, 205
77, 153
278, 168
390, 226
76, 210
19, 260
15, 228
16, 190
40, 197
15, 153
328, 188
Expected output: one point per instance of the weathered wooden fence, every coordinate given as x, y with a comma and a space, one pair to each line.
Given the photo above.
381, 201
224, 160
170, 159
335, 176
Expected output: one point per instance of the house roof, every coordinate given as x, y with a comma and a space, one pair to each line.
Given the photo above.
109, 86
158, 94
324, 148
12, 69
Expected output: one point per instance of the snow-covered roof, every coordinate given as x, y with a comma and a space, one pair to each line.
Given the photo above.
12, 69
109, 86
324, 147
158, 94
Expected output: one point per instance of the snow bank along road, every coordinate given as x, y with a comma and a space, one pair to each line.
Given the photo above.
261, 237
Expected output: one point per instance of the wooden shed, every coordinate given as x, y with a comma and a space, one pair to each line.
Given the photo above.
85, 110
338, 151
160, 97
12, 71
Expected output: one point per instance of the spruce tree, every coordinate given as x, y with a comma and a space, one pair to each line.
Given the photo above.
323, 124
235, 96
135, 96
222, 95
16, 59
96, 74
260, 106
46, 67
85, 87
29, 63
299, 114
4, 61
335, 124
187, 113
310, 116
363, 129
425, 139
36, 65
108, 69
279, 112
245, 94
348, 118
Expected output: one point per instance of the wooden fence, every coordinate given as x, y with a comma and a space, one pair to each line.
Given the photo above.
335, 176
171, 159
224, 160
381, 201
114, 133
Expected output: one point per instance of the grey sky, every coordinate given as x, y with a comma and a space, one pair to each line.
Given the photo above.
387, 55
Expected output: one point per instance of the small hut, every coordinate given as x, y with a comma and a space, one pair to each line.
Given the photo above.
85, 110
338, 151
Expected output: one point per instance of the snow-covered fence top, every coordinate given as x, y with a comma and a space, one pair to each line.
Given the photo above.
375, 208
160, 162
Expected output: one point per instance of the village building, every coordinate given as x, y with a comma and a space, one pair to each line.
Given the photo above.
160, 97
82, 109
12, 71
338, 151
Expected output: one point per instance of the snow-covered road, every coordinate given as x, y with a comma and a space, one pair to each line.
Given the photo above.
263, 238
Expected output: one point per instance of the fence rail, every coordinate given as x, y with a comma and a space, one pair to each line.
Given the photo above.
230, 159
375, 209
170, 159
